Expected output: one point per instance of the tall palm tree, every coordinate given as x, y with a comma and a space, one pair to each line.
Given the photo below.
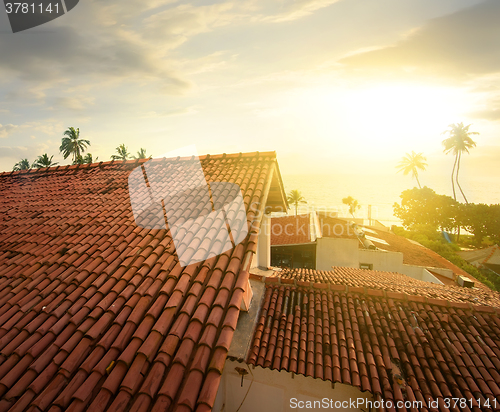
294, 198
123, 153
459, 141
72, 145
23, 164
411, 163
352, 203
141, 154
44, 161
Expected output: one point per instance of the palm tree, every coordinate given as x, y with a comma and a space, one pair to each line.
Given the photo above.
44, 161
80, 160
123, 153
352, 203
411, 163
23, 164
294, 198
71, 144
458, 142
141, 154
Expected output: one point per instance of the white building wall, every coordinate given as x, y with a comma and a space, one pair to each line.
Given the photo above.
336, 252
421, 273
263, 256
266, 390
345, 252
382, 260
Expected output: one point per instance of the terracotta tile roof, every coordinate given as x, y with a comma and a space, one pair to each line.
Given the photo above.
334, 227
480, 256
393, 282
290, 230
95, 312
414, 349
413, 253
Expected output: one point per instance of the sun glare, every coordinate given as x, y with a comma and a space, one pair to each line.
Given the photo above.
384, 118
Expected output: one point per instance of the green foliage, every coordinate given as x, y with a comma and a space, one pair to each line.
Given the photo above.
122, 153
23, 164
44, 161
411, 162
448, 251
353, 204
141, 154
294, 198
458, 142
80, 160
425, 207
481, 220
72, 145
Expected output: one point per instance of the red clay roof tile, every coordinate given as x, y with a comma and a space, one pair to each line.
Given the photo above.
355, 338
84, 292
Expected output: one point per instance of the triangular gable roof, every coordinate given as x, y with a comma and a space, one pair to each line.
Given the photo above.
480, 256
95, 312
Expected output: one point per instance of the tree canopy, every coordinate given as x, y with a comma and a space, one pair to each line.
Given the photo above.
294, 197
80, 160
459, 141
72, 145
23, 164
481, 220
426, 207
44, 161
353, 204
122, 153
141, 154
412, 162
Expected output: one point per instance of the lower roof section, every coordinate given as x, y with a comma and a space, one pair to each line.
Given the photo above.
397, 349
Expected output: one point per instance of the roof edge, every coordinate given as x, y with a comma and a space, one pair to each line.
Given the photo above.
137, 161
363, 290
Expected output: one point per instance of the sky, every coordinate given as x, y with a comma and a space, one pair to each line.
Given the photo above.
333, 86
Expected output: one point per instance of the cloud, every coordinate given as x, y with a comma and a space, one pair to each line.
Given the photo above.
21, 152
5, 130
75, 103
492, 114
461, 44
97, 50
174, 26
174, 112
296, 9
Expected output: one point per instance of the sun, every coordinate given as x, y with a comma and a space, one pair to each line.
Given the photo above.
384, 118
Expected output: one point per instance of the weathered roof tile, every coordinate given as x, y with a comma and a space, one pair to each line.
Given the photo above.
94, 309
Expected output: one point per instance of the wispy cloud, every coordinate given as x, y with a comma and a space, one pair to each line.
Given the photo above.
175, 112
458, 45
5, 130
296, 9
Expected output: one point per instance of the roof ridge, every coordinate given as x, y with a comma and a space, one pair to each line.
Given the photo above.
407, 297
137, 161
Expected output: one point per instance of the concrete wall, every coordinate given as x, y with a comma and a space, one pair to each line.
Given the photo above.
336, 252
263, 256
444, 272
420, 273
345, 252
266, 390
382, 260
